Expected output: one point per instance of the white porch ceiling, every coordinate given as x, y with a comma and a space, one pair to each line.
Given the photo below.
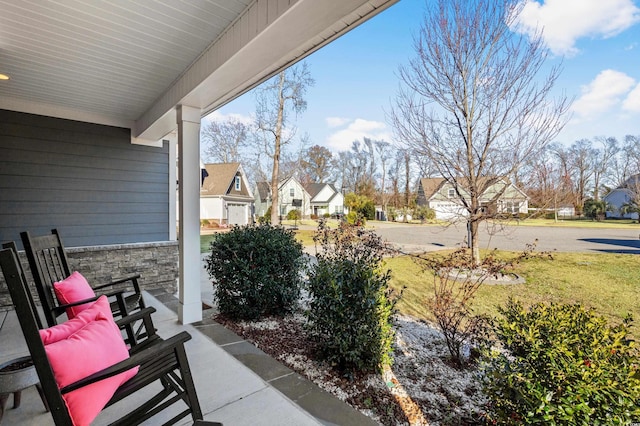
129, 63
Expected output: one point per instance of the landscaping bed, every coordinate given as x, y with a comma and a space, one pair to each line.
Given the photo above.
421, 387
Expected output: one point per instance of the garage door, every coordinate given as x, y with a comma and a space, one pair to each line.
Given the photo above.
237, 214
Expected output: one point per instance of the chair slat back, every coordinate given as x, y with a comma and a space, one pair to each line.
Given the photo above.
49, 263
24, 305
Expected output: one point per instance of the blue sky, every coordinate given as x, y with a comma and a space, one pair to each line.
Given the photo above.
598, 43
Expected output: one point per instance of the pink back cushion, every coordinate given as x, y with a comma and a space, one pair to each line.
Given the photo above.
92, 345
64, 330
73, 289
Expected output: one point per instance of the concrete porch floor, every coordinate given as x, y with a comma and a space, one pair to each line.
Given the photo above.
237, 383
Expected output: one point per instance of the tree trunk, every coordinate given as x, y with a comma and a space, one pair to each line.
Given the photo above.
407, 160
275, 196
473, 235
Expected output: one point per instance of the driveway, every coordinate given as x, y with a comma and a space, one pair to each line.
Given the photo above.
514, 237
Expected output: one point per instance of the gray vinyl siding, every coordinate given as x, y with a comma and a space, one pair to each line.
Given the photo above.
87, 180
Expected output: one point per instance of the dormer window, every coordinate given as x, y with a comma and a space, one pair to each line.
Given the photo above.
238, 183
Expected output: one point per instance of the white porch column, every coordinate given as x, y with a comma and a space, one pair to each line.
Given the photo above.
189, 175
173, 188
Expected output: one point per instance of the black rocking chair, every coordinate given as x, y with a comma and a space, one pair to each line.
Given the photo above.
163, 361
49, 263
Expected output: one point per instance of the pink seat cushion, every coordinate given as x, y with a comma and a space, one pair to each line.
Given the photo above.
93, 343
73, 289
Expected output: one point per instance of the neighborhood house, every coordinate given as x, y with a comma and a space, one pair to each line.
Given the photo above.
225, 197
325, 199
313, 199
500, 197
624, 194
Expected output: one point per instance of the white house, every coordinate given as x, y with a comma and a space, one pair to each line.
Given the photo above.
325, 199
225, 196
500, 197
622, 195
262, 199
291, 196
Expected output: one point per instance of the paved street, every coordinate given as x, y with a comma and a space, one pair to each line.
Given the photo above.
514, 237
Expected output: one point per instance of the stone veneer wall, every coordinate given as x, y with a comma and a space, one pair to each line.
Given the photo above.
157, 264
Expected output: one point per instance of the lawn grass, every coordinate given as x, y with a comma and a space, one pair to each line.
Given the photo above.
609, 283
205, 242
305, 236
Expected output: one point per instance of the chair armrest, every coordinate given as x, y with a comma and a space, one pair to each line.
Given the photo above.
132, 278
161, 347
63, 307
138, 315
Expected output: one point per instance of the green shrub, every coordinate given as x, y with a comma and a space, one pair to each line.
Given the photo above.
391, 214
326, 215
425, 213
266, 218
563, 365
294, 215
595, 209
355, 219
360, 204
256, 271
351, 306
368, 210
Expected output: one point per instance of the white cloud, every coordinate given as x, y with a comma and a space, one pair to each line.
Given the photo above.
337, 121
632, 102
218, 116
602, 93
357, 130
565, 21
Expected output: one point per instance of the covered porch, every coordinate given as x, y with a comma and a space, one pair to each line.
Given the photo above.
98, 103
99, 97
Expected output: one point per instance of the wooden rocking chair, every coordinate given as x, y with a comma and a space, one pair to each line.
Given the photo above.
163, 361
49, 264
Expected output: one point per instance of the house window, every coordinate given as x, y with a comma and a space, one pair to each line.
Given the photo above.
238, 185
292, 192
452, 192
513, 207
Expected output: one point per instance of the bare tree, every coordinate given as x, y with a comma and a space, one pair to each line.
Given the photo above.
355, 167
395, 177
471, 100
603, 162
383, 149
340, 164
316, 165
224, 141
581, 163
407, 179
632, 151
425, 166
545, 180
277, 99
